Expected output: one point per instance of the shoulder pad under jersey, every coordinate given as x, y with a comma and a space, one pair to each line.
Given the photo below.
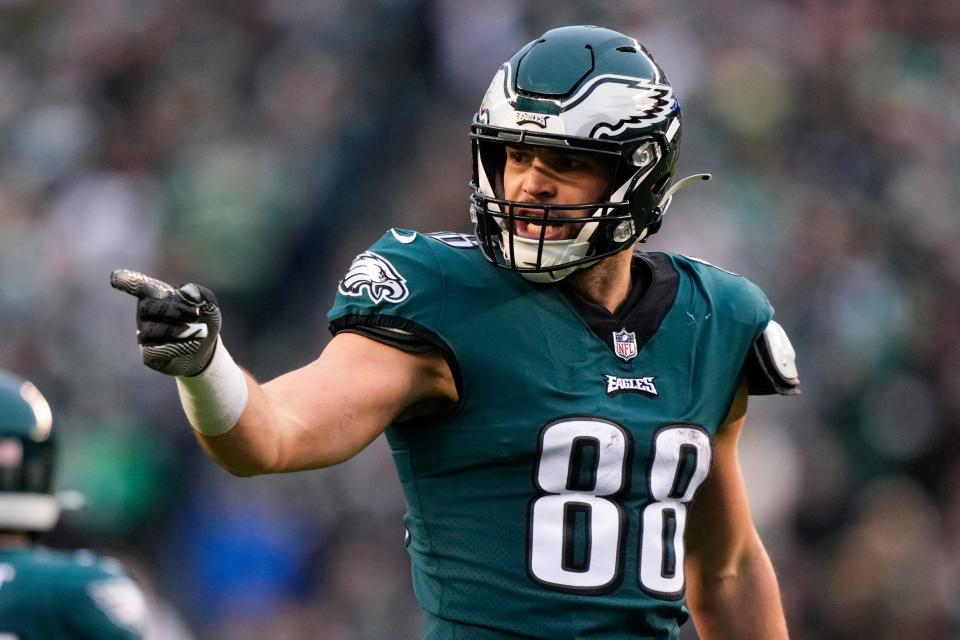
771, 366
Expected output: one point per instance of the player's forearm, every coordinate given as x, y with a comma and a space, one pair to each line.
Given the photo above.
742, 603
280, 428
251, 446
233, 417
264, 439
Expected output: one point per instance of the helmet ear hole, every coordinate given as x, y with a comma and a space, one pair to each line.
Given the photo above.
622, 231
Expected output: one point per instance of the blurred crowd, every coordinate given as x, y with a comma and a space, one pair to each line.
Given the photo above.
256, 146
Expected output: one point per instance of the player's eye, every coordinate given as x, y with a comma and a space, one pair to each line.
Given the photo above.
571, 164
574, 163
518, 157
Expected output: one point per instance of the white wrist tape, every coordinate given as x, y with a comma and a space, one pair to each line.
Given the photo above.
215, 398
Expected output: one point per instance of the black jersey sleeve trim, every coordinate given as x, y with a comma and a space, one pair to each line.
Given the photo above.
397, 338
406, 335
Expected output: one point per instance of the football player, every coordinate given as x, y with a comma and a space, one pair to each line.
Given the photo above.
47, 594
563, 410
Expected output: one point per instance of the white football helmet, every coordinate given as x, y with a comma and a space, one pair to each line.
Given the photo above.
584, 89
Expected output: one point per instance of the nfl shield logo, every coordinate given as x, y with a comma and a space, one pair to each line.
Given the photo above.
625, 344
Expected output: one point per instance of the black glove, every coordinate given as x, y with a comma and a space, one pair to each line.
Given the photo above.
177, 328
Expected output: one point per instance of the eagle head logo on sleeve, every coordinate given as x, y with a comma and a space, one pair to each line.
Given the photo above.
373, 275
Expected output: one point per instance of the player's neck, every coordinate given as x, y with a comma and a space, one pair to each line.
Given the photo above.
13, 539
606, 283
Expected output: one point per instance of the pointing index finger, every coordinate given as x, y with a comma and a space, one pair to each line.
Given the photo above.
139, 284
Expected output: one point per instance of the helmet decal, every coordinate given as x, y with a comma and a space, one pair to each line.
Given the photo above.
538, 119
641, 103
638, 103
41, 410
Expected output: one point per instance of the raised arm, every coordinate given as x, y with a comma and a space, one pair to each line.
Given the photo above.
329, 410
316, 416
732, 591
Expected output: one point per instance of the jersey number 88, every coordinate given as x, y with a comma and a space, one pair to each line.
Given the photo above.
577, 524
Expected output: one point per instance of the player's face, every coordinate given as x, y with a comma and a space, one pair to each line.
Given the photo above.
542, 175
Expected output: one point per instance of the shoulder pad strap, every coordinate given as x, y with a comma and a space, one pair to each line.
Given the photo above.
771, 366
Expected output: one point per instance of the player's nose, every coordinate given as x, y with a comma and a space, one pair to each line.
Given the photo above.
537, 181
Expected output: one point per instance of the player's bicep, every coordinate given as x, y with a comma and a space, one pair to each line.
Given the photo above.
336, 405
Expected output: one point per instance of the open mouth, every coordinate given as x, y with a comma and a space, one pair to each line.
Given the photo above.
553, 229
533, 230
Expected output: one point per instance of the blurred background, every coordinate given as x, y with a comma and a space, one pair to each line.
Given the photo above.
257, 146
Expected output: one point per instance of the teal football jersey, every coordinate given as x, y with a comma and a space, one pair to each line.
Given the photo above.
552, 501
51, 595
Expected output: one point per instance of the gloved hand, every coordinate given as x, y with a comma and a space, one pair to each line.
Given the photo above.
177, 328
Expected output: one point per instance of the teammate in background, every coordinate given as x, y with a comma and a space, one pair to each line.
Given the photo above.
46, 594
563, 411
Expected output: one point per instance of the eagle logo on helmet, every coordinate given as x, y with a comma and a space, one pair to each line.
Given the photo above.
634, 102
644, 102
375, 276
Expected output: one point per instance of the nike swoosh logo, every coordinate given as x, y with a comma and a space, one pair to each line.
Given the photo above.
194, 330
402, 239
